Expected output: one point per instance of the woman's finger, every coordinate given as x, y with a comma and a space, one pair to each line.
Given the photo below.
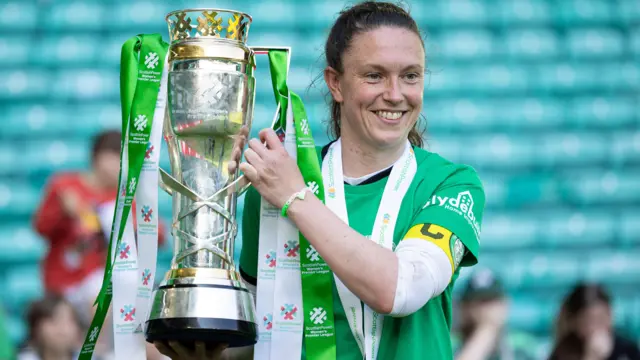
182, 351
201, 350
271, 139
217, 352
165, 350
257, 146
250, 173
254, 159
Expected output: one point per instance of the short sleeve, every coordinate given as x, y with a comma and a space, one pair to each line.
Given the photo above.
250, 235
457, 205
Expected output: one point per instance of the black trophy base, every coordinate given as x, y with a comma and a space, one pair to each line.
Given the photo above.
188, 331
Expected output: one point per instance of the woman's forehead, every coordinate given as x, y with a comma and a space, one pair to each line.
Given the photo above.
386, 46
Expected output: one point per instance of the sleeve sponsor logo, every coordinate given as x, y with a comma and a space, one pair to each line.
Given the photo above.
461, 205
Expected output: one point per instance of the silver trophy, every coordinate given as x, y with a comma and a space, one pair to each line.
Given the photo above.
211, 92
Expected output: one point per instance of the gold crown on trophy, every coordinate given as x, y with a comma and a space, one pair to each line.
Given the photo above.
218, 23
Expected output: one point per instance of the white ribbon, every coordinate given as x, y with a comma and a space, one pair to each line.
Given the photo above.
279, 287
133, 275
383, 228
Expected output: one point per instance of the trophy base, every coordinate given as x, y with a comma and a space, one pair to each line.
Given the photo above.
210, 309
187, 331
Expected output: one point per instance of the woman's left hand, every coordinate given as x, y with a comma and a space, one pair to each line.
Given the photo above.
270, 169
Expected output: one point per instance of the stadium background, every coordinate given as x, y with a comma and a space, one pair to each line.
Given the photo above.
541, 97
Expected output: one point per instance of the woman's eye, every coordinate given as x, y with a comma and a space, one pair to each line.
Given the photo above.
412, 77
373, 76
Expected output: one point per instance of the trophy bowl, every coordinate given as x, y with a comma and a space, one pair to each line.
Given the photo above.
211, 94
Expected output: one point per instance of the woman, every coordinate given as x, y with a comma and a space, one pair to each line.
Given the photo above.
54, 331
375, 73
584, 329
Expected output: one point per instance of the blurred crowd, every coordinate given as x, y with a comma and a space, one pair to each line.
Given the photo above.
74, 218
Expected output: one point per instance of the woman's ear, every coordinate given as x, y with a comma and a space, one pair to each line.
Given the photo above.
332, 78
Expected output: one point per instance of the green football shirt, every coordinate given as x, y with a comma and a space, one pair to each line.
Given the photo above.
443, 195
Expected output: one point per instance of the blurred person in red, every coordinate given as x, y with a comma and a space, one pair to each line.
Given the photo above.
68, 218
53, 330
482, 333
585, 330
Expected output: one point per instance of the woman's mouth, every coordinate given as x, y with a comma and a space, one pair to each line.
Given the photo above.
389, 116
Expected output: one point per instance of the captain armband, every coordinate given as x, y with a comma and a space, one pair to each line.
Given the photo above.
427, 258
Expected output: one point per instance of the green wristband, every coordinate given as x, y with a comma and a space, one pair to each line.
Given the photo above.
299, 195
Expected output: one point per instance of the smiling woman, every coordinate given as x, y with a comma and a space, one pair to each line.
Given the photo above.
392, 256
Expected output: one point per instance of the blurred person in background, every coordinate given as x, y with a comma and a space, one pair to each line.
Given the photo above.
481, 333
54, 331
67, 219
585, 331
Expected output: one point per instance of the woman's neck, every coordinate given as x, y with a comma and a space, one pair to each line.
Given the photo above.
50, 354
359, 160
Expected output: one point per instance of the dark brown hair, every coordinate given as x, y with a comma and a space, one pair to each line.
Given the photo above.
569, 345
363, 17
106, 141
42, 309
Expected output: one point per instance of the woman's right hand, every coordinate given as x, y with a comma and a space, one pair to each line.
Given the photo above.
177, 351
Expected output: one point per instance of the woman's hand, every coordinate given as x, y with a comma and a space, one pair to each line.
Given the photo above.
236, 152
177, 351
271, 170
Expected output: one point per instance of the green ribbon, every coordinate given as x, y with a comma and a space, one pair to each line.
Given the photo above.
141, 64
317, 278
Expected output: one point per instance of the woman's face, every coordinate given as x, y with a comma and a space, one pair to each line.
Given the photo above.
60, 332
593, 319
381, 89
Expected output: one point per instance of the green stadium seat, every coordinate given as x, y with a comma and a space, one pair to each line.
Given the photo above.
576, 229
461, 114
18, 200
473, 44
145, 16
17, 329
516, 114
24, 84
581, 12
625, 148
629, 11
24, 284
68, 50
523, 12
519, 190
537, 43
530, 313
572, 149
614, 267
10, 158
600, 43
634, 42
602, 187
629, 228
56, 155
541, 269
78, 16
461, 12
19, 243
18, 16
503, 232
14, 49
602, 112
86, 84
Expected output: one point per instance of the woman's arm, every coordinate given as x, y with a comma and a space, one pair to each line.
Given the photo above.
366, 268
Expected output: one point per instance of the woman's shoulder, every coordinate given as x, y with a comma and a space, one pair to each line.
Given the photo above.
435, 166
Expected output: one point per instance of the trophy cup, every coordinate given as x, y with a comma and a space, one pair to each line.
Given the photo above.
211, 92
